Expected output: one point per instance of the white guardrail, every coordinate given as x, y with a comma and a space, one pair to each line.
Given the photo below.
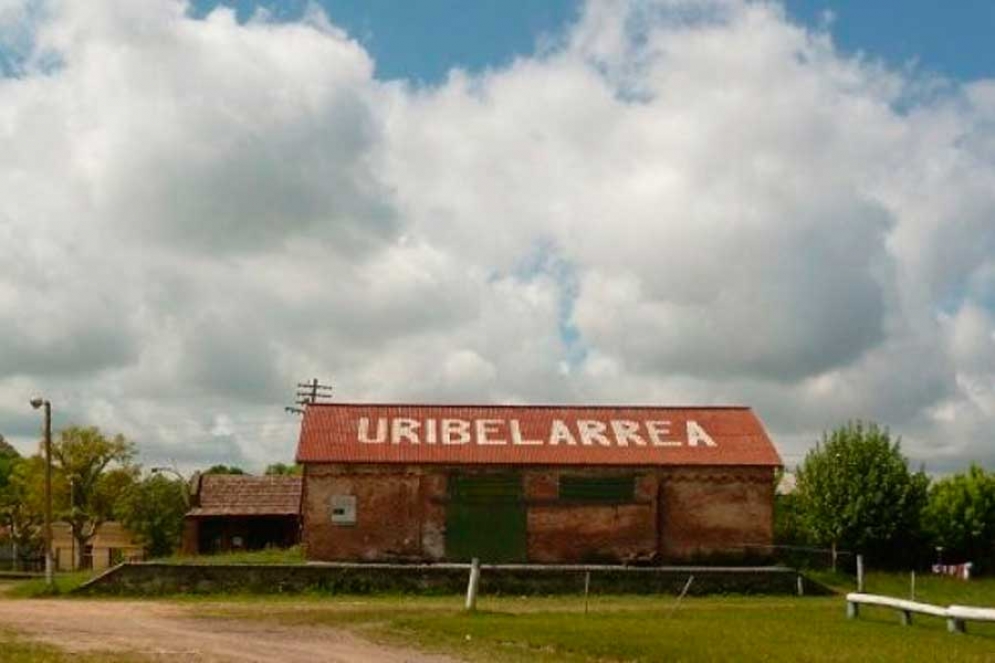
956, 615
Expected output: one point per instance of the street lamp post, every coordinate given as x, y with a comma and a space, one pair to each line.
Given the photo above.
37, 403
183, 481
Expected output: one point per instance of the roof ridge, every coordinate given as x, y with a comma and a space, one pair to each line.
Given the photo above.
273, 477
547, 406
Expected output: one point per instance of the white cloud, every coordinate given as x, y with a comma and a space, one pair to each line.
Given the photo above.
678, 201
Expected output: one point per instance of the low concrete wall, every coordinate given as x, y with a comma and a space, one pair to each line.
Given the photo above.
160, 579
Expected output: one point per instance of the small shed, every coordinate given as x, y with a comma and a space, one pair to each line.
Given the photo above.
230, 512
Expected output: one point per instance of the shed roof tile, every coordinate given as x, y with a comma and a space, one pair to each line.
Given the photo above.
244, 495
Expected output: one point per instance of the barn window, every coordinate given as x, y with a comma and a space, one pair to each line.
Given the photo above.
602, 490
343, 509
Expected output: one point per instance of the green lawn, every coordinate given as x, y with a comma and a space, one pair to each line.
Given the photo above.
15, 649
292, 555
63, 583
635, 628
628, 628
939, 590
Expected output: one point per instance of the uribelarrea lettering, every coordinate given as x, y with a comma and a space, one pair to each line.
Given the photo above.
498, 432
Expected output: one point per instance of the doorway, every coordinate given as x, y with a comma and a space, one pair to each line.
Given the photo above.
485, 518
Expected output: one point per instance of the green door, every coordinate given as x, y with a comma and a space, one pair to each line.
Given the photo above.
486, 518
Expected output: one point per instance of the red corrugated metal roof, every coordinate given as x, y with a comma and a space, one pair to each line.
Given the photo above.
533, 435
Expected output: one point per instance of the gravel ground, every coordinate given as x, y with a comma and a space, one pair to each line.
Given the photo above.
165, 631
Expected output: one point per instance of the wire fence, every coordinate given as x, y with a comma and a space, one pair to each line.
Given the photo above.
796, 556
28, 564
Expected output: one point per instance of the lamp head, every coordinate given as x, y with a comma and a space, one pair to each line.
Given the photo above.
37, 402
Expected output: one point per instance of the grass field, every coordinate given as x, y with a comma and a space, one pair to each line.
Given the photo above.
63, 584
643, 629
621, 628
939, 590
15, 649
293, 555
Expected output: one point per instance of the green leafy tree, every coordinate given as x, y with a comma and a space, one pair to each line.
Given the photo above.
855, 491
22, 505
91, 473
789, 526
224, 469
153, 511
960, 516
8, 458
282, 469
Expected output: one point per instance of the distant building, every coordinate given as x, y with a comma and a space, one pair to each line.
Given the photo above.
788, 484
112, 544
231, 512
546, 484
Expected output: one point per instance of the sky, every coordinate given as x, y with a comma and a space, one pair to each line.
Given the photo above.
790, 206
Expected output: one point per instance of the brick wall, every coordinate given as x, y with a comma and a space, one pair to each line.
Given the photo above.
398, 513
677, 514
713, 510
575, 533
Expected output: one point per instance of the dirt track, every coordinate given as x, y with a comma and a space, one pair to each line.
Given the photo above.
165, 632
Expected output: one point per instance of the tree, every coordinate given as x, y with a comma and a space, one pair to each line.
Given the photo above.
960, 516
789, 526
153, 510
8, 457
22, 504
855, 491
282, 469
91, 472
224, 469
6, 449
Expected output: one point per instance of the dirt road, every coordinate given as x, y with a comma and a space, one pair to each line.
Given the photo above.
163, 631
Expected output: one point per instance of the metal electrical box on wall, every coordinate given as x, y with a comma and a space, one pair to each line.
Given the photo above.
343, 509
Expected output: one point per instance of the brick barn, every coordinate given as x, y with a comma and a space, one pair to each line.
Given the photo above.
538, 484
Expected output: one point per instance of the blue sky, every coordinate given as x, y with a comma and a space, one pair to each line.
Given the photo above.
422, 40
955, 38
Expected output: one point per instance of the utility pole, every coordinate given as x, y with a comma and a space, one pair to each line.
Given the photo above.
309, 393
72, 512
37, 403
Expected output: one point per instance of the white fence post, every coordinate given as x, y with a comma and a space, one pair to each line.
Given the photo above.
471, 588
680, 598
587, 589
860, 573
